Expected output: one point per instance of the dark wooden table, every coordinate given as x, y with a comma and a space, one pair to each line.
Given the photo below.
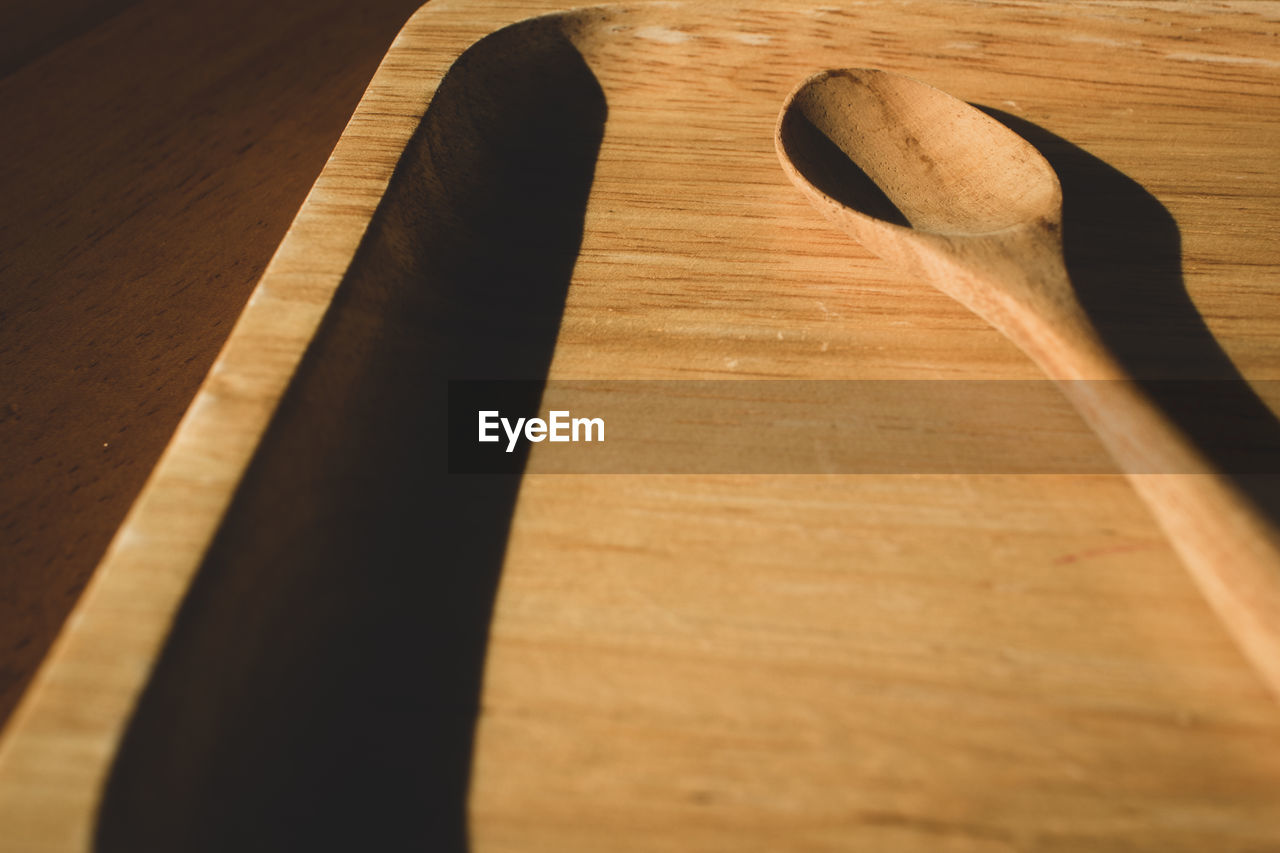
152, 156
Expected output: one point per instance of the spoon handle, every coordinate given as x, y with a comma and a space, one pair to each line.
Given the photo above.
1231, 549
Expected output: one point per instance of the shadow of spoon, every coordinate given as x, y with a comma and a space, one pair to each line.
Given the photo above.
956, 198
1123, 251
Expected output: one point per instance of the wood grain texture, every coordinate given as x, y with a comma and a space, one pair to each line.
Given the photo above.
979, 215
151, 161
30, 30
900, 663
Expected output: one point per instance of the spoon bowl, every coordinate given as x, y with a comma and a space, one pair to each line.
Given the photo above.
955, 198
948, 168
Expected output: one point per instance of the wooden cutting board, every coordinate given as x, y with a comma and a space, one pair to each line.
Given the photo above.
307, 634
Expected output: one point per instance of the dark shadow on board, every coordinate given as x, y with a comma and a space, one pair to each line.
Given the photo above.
1124, 254
321, 685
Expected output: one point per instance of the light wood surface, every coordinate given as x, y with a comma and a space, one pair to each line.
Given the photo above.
705, 662
975, 210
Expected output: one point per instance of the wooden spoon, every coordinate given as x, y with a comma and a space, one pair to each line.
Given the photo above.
973, 208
